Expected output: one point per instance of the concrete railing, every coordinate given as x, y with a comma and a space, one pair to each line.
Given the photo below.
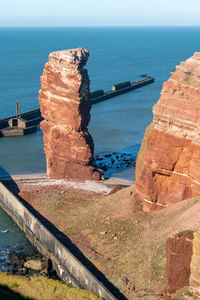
68, 267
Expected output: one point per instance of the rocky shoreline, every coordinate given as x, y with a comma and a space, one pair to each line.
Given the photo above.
114, 162
30, 265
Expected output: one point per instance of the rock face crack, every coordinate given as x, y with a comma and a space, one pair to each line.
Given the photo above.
65, 107
168, 164
176, 162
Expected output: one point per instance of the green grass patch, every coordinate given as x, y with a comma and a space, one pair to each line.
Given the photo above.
37, 288
14, 285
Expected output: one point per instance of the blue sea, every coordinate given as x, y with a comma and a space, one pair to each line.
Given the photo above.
116, 55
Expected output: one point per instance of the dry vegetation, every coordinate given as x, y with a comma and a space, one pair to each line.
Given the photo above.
122, 241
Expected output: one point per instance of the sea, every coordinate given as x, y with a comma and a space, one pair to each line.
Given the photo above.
117, 54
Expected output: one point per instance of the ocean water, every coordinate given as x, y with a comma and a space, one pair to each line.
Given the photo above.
116, 55
12, 239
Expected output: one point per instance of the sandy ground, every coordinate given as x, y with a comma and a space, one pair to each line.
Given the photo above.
43, 180
122, 241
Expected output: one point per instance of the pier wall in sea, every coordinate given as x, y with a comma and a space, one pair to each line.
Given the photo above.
52, 244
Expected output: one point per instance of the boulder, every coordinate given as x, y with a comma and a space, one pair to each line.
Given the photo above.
36, 264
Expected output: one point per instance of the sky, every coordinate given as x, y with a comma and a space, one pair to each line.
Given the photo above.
99, 12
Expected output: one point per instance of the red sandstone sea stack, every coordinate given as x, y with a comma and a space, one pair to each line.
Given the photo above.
65, 107
168, 164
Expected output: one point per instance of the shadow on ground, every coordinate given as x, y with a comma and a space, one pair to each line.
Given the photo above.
8, 294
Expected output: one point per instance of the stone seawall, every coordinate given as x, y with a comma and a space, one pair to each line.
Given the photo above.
48, 243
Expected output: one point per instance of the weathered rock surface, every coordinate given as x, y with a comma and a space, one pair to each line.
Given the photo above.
195, 262
36, 264
182, 262
65, 107
179, 250
168, 164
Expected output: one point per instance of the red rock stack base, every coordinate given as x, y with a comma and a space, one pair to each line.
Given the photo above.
65, 107
168, 164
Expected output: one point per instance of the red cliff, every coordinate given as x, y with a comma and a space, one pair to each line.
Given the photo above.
65, 107
168, 164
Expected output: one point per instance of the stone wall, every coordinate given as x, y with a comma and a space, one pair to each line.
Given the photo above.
48, 242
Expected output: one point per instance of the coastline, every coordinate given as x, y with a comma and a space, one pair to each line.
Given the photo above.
104, 226
90, 212
71, 266
15, 182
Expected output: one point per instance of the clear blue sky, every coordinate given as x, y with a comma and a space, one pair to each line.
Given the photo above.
99, 12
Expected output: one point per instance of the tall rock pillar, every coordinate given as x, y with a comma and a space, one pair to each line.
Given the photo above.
65, 107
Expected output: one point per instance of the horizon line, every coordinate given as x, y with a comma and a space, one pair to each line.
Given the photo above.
91, 26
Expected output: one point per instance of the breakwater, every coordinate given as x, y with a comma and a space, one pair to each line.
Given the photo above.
26, 123
22, 124
119, 89
52, 244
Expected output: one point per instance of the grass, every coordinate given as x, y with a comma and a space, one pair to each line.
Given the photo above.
39, 288
14, 284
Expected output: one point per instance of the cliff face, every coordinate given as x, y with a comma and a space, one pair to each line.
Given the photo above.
65, 107
168, 164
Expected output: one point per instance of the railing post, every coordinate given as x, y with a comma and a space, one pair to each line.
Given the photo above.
18, 109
